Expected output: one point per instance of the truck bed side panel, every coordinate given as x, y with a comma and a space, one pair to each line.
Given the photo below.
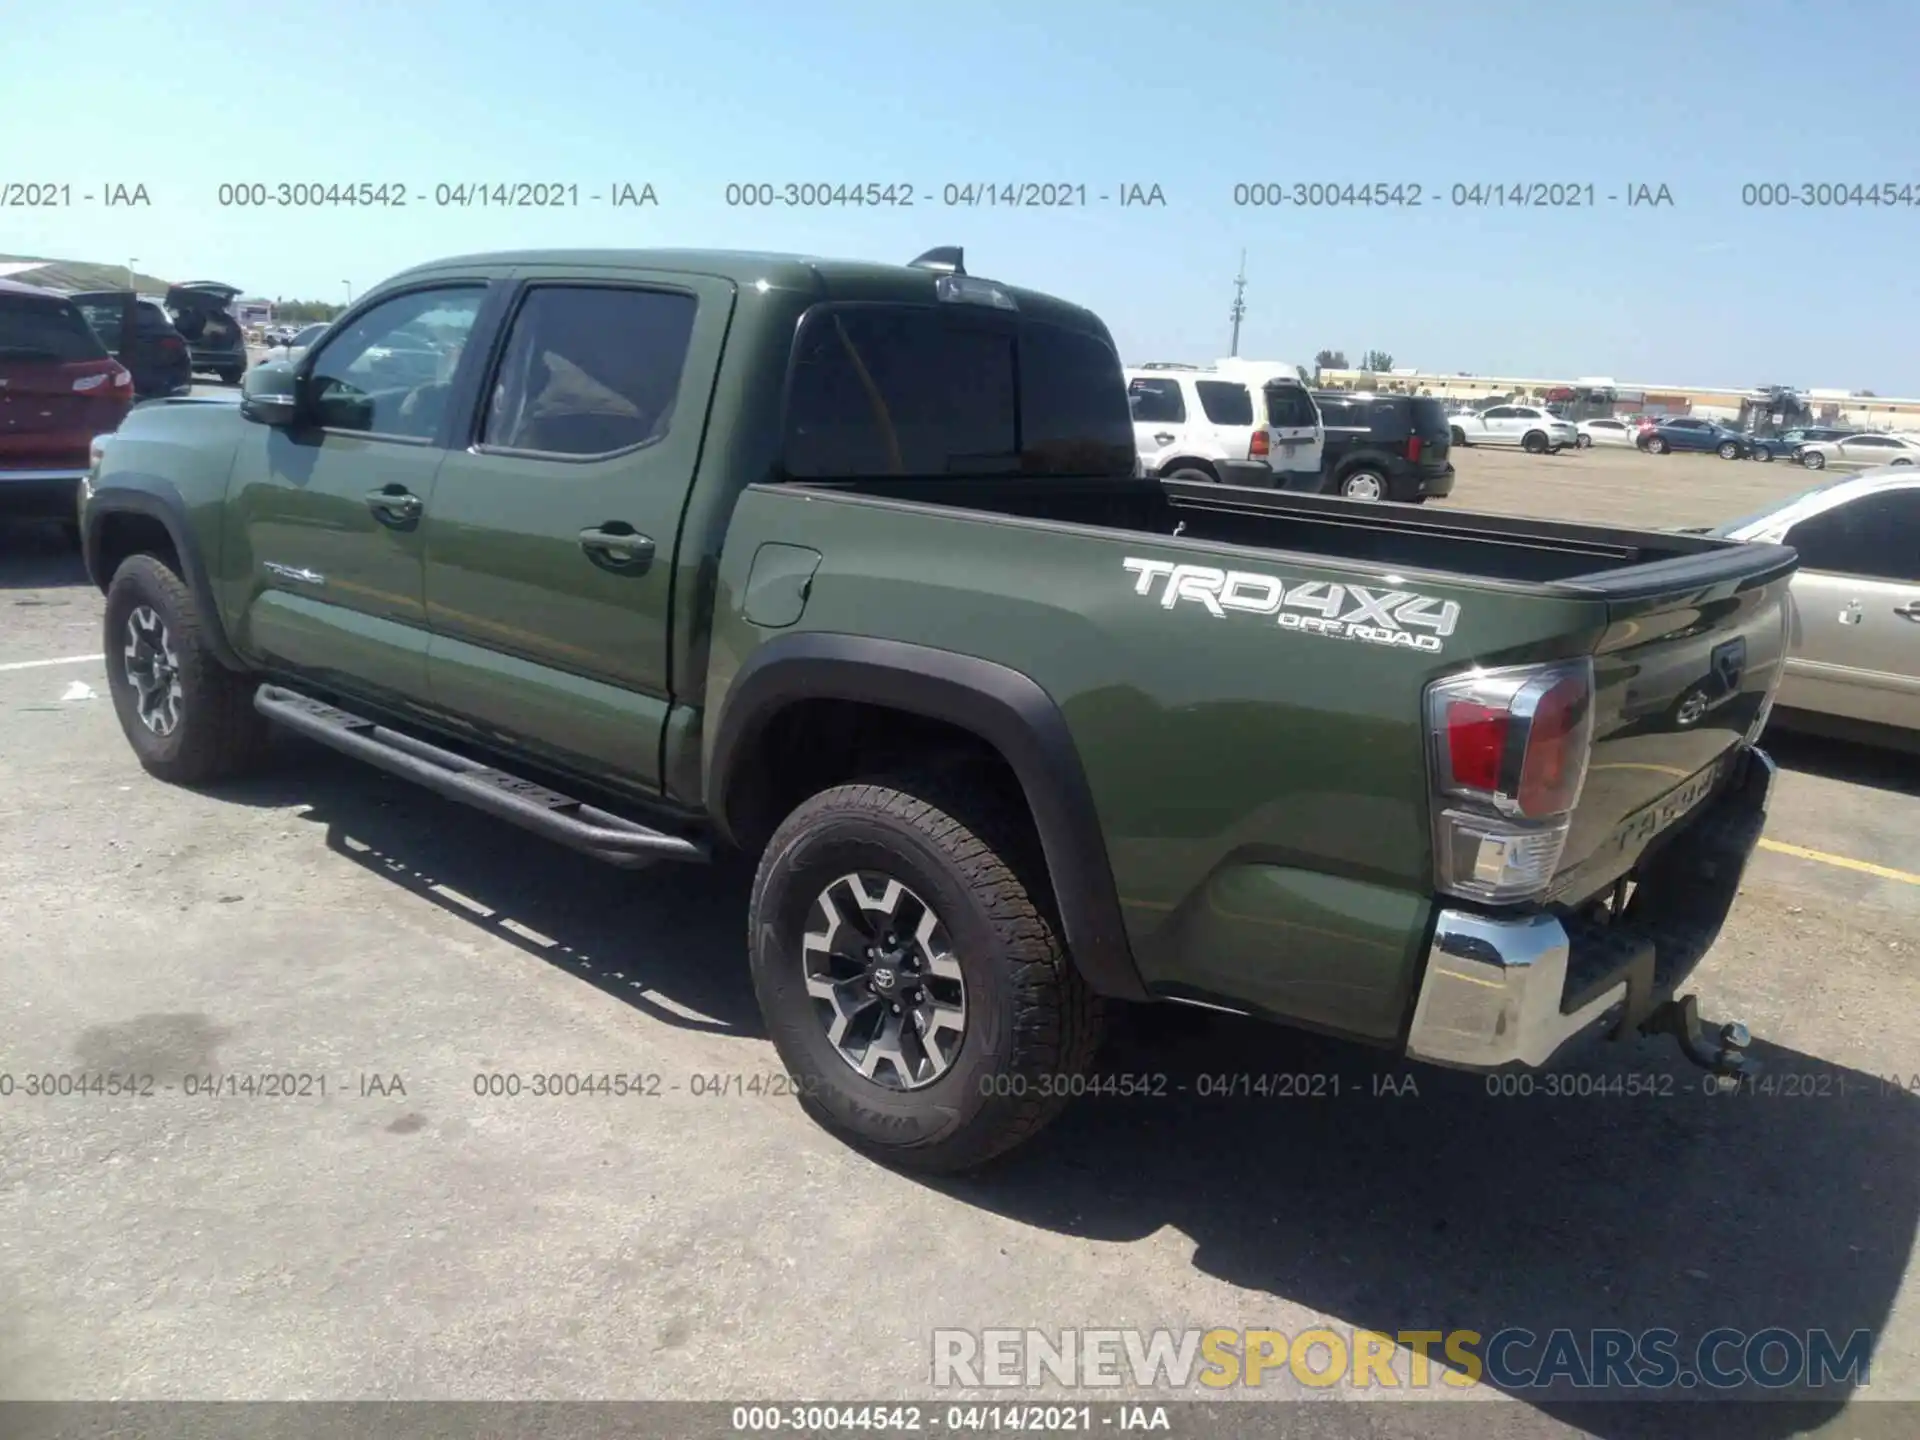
1261, 789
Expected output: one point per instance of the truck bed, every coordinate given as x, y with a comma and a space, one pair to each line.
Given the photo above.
1499, 548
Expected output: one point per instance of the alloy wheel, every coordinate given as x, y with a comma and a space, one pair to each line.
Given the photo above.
153, 670
884, 981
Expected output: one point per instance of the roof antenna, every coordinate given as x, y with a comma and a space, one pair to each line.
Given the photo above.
944, 258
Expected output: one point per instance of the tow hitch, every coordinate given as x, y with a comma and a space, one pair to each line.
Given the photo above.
1720, 1050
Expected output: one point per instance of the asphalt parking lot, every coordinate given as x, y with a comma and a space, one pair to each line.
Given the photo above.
403, 1236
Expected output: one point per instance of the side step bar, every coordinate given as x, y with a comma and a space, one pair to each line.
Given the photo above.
607, 837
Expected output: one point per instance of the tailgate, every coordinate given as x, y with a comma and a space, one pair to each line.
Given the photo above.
1684, 673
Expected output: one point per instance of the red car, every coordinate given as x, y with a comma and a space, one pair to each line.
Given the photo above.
58, 389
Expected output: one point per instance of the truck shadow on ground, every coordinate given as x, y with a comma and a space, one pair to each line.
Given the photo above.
1880, 765
35, 556
669, 941
1387, 1206
1456, 1208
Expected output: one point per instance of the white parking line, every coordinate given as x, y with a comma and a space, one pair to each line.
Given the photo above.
41, 664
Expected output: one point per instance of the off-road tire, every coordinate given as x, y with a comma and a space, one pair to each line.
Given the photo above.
219, 734
1032, 1023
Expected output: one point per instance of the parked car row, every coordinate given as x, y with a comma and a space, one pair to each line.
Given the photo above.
1258, 423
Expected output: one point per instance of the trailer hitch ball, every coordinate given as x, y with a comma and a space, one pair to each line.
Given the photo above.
1720, 1050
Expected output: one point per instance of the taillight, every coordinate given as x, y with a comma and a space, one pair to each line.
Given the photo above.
172, 344
1262, 446
1510, 751
1413, 449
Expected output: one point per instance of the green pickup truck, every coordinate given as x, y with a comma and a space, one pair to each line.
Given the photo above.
851, 567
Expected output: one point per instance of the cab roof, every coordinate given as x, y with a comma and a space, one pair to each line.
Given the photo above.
828, 278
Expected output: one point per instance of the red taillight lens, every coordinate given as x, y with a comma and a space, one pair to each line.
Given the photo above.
1510, 754
172, 344
1262, 446
1476, 744
1413, 449
1556, 755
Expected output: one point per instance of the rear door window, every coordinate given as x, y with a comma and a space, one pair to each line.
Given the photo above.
1156, 402
1225, 402
895, 390
590, 370
46, 329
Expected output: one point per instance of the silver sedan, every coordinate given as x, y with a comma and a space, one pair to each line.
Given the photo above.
1855, 648
1860, 450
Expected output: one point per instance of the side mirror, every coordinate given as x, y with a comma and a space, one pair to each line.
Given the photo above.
270, 394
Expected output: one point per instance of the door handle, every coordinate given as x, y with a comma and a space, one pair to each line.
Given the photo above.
1908, 611
394, 505
1164, 437
617, 546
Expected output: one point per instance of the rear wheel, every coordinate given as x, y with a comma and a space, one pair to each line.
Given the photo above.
1534, 443
1364, 485
1194, 475
910, 974
188, 718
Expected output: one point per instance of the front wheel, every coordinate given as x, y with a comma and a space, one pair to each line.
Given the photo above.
1814, 460
188, 718
1656, 446
911, 976
1763, 455
1583, 442
1460, 437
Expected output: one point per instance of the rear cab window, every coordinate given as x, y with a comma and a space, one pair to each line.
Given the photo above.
46, 329
915, 391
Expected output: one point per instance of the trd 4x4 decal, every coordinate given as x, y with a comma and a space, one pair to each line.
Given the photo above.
1397, 618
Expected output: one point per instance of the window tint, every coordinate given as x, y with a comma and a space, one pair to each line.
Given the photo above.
1225, 402
46, 329
388, 373
1156, 402
589, 370
1876, 535
1873, 442
907, 390
1427, 416
1499, 412
150, 319
1290, 405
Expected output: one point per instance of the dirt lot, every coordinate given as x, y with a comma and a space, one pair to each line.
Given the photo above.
403, 1236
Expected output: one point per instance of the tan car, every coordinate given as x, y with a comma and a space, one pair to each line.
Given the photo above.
1860, 450
1855, 652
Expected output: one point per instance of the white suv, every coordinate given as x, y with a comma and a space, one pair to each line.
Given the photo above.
1236, 424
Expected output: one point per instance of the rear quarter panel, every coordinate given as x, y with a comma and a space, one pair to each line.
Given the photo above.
1262, 792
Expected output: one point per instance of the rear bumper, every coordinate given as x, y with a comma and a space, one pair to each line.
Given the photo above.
1435, 484
1516, 990
1246, 472
40, 494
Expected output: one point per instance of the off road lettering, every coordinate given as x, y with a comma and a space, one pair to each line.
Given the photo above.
1309, 607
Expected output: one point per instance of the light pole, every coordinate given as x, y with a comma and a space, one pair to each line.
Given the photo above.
349, 285
132, 260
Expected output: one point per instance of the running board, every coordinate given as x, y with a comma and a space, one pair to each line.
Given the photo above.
607, 837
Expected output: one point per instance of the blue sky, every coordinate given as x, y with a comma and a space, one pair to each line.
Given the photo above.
1702, 98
